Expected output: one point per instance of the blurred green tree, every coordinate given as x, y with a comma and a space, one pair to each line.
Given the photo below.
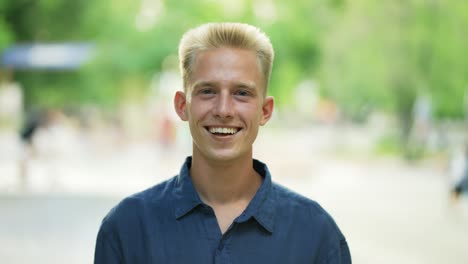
385, 55
365, 55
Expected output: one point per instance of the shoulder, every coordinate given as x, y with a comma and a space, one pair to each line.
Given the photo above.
136, 206
289, 198
305, 210
306, 216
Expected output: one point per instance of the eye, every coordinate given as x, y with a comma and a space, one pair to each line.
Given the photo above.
242, 92
206, 91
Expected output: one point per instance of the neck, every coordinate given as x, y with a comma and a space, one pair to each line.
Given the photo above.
221, 183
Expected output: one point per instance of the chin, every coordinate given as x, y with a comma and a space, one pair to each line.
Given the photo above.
224, 155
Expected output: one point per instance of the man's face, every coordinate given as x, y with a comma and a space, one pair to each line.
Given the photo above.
224, 103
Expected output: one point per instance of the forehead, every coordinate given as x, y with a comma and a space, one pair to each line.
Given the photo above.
227, 64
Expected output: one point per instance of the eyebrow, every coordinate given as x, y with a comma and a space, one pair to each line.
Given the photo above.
248, 85
201, 83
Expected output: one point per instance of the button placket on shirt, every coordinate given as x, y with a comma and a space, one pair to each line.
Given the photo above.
222, 251
224, 238
221, 254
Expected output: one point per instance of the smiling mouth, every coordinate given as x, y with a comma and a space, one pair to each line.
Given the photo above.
223, 131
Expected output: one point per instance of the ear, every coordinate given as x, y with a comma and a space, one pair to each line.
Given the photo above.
267, 109
180, 104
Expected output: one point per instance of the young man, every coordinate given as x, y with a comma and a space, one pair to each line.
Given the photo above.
223, 206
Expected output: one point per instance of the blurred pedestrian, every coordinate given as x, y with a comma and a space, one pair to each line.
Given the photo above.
223, 206
461, 182
33, 120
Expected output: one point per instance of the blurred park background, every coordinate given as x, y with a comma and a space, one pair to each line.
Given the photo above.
371, 117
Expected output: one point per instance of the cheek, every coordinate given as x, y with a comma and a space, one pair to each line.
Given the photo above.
198, 111
253, 115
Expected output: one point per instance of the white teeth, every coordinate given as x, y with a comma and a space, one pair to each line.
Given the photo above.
223, 130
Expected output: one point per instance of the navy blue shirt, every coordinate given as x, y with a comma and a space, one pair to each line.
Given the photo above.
168, 223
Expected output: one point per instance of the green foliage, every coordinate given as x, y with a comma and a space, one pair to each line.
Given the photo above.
388, 145
390, 53
364, 54
6, 37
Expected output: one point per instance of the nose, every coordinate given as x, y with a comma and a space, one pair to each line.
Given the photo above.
224, 108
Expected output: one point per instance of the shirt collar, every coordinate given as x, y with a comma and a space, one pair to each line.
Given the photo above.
261, 208
185, 195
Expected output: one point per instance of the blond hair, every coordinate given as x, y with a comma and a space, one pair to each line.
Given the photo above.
230, 35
